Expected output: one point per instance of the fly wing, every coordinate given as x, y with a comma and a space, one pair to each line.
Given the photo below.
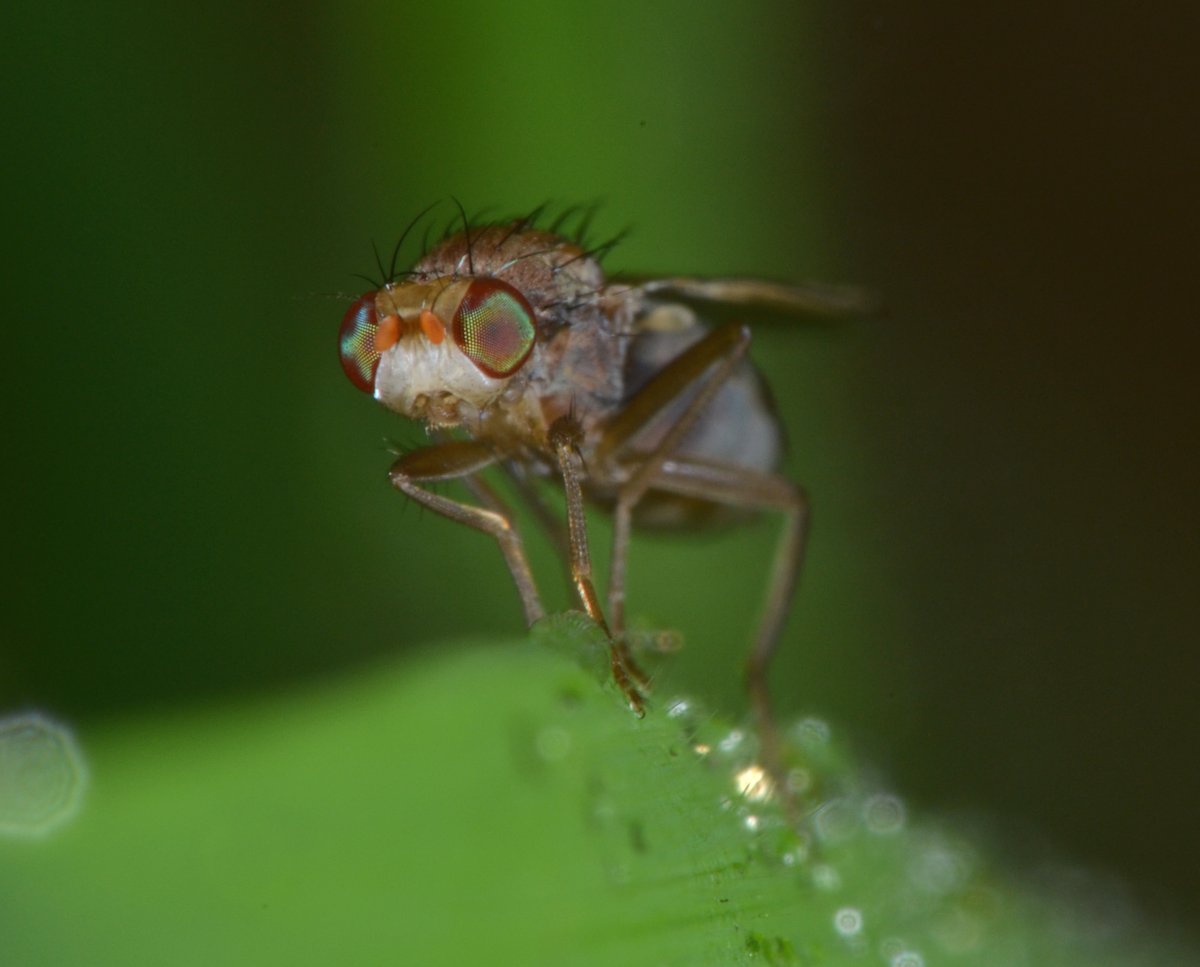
774, 298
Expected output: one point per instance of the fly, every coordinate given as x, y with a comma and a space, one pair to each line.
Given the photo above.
511, 346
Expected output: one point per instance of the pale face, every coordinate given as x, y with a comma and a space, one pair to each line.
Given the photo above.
425, 348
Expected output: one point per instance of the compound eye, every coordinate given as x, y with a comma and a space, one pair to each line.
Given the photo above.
494, 327
357, 343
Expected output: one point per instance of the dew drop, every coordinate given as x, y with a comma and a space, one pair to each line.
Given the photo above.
907, 958
884, 814
679, 708
754, 784
732, 742
42, 775
811, 732
826, 878
799, 781
799, 852
834, 821
848, 921
939, 868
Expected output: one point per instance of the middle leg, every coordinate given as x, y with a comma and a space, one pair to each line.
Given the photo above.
704, 367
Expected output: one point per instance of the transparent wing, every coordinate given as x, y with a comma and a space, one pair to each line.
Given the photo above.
761, 294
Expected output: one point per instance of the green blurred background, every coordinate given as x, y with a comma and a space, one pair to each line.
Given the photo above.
1001, 600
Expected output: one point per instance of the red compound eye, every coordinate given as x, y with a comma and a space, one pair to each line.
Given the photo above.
357, 345
494, 327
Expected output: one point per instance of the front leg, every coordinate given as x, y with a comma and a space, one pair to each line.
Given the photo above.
457, 460
564, 437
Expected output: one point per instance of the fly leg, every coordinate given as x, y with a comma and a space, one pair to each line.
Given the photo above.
564, 437
705, 367
739, 487
547, 518
460, 460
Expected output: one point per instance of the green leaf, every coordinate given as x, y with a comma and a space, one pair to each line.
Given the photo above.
494, 804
